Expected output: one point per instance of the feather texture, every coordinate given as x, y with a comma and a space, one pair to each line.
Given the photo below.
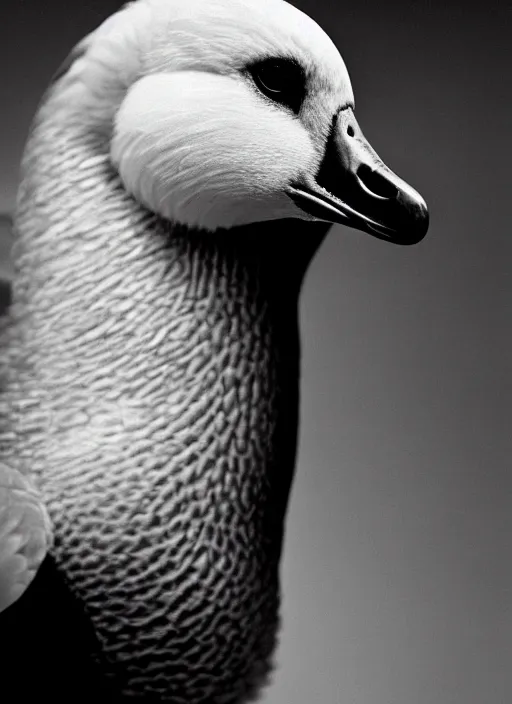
152, 368
158, 370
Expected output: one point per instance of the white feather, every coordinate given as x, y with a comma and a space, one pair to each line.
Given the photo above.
204, 150
192, 137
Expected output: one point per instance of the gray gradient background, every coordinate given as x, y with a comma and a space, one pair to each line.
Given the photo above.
396, 573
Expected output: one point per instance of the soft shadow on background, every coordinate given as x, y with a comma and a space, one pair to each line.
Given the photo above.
396, 576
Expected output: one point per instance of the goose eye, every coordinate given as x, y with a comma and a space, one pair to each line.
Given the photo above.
280, 80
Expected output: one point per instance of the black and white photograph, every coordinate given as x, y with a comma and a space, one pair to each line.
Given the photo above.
255, 383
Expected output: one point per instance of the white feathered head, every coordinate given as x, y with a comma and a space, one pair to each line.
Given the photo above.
229, 112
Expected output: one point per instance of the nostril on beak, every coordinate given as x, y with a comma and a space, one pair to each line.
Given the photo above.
377, 184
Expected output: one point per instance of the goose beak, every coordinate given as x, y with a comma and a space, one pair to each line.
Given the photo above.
355, 188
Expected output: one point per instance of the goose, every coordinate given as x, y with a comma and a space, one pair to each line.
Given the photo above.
182, 170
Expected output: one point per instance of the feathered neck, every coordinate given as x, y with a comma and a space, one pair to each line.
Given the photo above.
154, 394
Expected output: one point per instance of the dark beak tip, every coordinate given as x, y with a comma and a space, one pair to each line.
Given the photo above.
422, 222
416, 231
417, 220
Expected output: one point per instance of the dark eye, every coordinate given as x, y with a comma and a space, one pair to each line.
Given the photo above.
281, 80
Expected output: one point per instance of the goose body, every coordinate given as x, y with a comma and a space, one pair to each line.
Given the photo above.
169, 206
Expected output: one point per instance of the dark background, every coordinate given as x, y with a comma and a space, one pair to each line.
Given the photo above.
396, 575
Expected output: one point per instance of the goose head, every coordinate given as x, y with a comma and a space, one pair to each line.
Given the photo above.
230, 112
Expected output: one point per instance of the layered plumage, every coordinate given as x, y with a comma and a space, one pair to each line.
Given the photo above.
166, 217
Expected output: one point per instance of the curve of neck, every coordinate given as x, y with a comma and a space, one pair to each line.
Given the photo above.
153, 386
